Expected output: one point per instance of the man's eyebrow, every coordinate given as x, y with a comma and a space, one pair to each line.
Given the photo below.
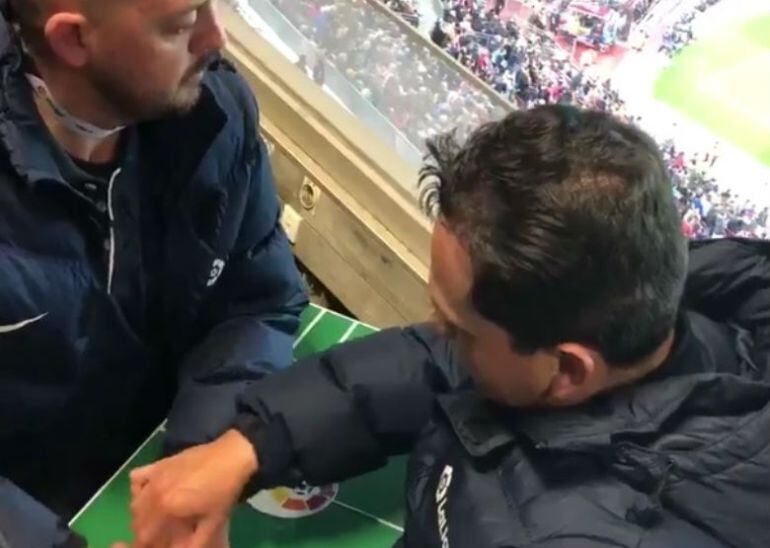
195, 5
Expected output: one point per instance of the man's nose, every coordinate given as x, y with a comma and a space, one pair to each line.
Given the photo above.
212, 35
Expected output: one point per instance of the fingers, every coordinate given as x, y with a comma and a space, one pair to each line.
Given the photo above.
136, 488
140, 477
148, 519
180, 534
223, 536
207, 532
142, 474
175, 534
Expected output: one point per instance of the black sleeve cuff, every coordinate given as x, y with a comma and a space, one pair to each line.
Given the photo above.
74, 541
272, 446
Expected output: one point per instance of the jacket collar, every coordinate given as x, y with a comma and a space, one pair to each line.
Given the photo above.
648, 407
5, 34
32, 151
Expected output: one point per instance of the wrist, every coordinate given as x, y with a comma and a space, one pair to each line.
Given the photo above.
271, 443
241, 454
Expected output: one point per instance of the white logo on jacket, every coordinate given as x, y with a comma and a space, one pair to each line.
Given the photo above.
216, 271
441, 499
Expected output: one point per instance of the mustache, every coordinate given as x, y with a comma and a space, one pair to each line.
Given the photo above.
210, 60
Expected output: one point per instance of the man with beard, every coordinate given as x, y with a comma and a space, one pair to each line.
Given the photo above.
143, 270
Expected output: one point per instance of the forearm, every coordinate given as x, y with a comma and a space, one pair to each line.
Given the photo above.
216, 373
344, 412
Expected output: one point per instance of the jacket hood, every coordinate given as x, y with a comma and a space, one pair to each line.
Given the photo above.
6, 32
4, 8
31, 149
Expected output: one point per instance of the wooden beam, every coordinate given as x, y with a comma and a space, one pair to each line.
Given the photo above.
367, 168
320, 257
361, 233
358, 259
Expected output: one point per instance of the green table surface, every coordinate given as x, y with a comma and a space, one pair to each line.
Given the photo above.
367, 513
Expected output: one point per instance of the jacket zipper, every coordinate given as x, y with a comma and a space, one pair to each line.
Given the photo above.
111, 216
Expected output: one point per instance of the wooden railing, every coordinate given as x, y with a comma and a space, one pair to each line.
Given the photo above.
359, 231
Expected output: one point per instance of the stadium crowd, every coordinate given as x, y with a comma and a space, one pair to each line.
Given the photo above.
523, 64
681, 33
398, 75
422, 97
708, 211
407, 9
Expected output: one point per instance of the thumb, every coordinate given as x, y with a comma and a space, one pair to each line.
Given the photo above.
142, 475
205, 531
120, 545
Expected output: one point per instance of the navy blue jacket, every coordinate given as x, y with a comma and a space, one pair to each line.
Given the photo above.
680, 459
190, 293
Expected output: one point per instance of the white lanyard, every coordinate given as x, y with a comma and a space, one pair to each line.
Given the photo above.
81, 127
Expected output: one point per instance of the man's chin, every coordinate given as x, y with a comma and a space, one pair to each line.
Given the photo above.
186, 100
135, 106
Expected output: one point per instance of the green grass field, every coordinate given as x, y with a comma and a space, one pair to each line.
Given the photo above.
723, 82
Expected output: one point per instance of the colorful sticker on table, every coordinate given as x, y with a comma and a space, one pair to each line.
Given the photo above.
299, 502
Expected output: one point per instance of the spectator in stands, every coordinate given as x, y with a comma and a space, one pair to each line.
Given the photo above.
579, 388
438, 35
319, 71
301, 63
142, 265
681, 33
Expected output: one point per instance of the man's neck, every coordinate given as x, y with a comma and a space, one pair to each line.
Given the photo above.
81, 101
89, 149
624, 375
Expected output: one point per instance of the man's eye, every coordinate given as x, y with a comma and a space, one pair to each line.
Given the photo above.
184, 25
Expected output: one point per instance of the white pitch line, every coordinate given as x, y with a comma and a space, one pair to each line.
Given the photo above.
348, 333
310, 326
381, 521
116, 474
332, 312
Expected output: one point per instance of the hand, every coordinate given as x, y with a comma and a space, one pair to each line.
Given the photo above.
175, 535
198, 486
180, 537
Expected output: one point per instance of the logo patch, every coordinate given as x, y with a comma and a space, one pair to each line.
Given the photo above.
217, 267
299, 502
444, 482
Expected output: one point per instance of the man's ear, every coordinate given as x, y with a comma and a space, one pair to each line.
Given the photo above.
577, 378
64, 33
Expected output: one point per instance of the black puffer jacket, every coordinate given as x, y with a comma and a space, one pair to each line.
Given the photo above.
679, 460
197, 295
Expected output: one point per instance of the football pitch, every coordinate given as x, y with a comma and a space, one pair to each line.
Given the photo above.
722, 82
368, 511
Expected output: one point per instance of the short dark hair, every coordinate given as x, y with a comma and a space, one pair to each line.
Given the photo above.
25, 12
28, 15
570, 223
31, 15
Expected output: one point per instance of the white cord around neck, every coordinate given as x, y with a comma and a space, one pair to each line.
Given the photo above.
73, 123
